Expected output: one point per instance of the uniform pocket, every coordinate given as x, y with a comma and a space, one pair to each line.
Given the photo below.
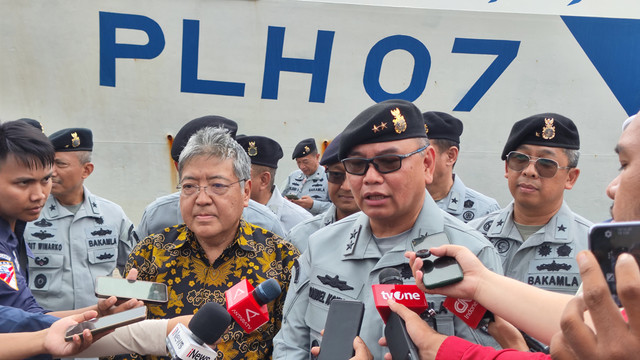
46, 272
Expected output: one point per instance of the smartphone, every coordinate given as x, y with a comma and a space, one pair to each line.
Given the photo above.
292, 196
438, 271
106, 323
399, 342
147, 291
607, 241
342, 326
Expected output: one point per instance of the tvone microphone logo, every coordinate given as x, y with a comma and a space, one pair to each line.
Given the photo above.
400, 296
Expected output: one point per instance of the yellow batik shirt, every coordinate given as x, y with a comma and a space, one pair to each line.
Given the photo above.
175, 258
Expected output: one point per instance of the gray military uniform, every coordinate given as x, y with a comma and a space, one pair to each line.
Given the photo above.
466, 204
299, 234
547, 259
315, 186
164, 212
287, 212
72, 250
343, 261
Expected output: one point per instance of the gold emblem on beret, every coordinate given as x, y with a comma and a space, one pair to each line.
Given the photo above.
426, 129
306, 149
253, 149
548, 131
375, 128
75, 140
382, 126
399, 123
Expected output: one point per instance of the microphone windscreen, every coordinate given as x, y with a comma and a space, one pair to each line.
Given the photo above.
390, 276
210, 322
267, 292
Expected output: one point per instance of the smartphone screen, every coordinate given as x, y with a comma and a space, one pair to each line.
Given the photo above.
607, 241
107, 323
126, 289
342, 326
438, 271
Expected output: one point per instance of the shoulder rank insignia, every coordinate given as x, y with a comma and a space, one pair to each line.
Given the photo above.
548, 131
334, 282
75, 140
253, 149
399, 123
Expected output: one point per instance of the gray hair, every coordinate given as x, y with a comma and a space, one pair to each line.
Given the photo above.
573, 156
84, 157
216, 142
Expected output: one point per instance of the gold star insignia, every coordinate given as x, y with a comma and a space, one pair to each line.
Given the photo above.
375, 128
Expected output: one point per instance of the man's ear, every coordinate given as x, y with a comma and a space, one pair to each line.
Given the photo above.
452, 156
265, 179
87, 169
429, 164
572, 177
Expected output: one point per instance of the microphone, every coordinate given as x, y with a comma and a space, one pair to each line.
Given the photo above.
469, 311
248, 306
399, 342
206, 326
391, 287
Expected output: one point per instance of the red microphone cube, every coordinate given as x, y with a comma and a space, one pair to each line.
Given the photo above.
243, 307
408, 295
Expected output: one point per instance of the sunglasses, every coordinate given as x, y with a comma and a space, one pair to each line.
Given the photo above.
335, 177
384, 164
546, 168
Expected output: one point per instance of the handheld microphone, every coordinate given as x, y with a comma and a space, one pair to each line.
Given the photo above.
469, 311
206, 326
248, 306
391, 287
398, 340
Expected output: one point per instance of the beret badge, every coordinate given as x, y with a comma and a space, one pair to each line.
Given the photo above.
548, 131
306, 149
75, 140
399, 123
253, 149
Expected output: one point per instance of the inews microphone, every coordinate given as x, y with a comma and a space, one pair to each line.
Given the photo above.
205, 327
469, 311
248, 305
391, 287
399, 342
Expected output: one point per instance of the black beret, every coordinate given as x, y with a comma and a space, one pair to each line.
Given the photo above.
549, 129
389, 120
439, 125
72, 139
190, 128
262, 150
304, 148
35, 123
330, 155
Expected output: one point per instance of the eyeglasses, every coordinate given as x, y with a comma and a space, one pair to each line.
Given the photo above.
384, 164
336, 177
211, 189
546, 168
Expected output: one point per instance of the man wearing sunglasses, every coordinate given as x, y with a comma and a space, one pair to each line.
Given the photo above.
537, 234
342, 202
264, 153
447, 189
389, 162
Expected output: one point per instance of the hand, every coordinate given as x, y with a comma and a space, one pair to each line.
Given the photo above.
613, 338
109, 306
473, 270
361, 350
507, 335
426, 339
132, 275
305, 201
54, 342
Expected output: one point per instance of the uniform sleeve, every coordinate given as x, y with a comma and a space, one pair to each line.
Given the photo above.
142, 231
128, 239
292, 341
319, 207
455, 348
17, 320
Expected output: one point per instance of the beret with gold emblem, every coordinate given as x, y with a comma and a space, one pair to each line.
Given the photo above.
549, 129
439, 125
330, 155
304, 148
35, 123
389, 120
72, 139
192, 127
262, 150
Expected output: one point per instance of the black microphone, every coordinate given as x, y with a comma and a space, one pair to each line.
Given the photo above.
399, 342
206, 326
267, 291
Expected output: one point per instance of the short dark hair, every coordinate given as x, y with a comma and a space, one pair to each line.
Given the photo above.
27, 144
